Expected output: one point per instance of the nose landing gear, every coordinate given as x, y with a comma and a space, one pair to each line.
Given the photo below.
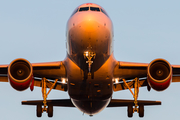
89, 55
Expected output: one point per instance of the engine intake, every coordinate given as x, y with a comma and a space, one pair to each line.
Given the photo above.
20, 74
159, 74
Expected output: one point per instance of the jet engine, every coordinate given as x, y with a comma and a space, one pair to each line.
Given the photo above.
20, 74
159, 74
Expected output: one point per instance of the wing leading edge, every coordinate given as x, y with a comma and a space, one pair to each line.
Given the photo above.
131, 70
49, 70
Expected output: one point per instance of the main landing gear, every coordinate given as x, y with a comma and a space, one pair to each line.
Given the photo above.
45, 107
139, 108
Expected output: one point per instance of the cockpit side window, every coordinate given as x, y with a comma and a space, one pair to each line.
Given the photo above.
94, 9
84, 9
104, 12
75, 11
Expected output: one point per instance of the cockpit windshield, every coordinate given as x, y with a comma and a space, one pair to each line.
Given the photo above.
84, 9
94, 9
81, 9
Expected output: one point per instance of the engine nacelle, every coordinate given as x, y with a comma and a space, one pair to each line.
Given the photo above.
159, 74
20, 74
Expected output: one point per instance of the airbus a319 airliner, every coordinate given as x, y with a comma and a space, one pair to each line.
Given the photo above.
90, 73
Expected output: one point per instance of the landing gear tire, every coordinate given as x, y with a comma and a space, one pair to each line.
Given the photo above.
39, 110
141, 110
130, 110
50, 110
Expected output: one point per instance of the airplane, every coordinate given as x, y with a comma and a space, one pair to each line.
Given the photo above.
90, 73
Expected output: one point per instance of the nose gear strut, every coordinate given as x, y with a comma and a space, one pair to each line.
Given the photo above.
89, 55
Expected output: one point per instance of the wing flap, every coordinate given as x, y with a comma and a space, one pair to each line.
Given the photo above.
3, 78
176, 79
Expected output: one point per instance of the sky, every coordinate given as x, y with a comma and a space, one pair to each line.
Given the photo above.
143, 30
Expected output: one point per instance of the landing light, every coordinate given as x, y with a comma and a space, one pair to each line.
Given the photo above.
116, 80
64, 80
86, 53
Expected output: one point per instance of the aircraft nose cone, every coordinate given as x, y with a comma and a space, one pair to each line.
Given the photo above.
89, 23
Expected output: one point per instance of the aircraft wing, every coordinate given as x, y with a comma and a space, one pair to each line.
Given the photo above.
113, 102
3, 73
131, 70
124, 102
57, 102
49, 70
